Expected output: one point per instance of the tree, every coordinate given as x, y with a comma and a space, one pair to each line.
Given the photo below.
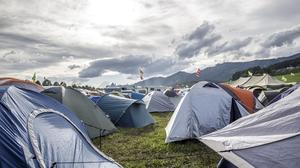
56, 83
47, 82
63, 84
38, 82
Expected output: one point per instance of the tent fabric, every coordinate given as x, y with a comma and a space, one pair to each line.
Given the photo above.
266, 96
268, 138
239, 81
124, 112
265, 81
137, 96
206, 108
246, 97
252, 81
176, 100
156, 101
94, 118
37, 131
285, 93
25, 84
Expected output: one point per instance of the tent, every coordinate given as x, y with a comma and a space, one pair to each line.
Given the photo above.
207, 108
285, 93
240, 81
173, 96
94, 118
137, 96
38, 132
265, 81
124, 112
156, 101
170, 92
268, 138
7, 81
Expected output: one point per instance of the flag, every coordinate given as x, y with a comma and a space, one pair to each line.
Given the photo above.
283, 78
34, 77
292, 74
141, 73
250, 73
198, 71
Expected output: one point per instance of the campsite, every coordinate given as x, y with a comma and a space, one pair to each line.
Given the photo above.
149, 84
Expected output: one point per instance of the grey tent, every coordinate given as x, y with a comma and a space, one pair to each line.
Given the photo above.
156, 101
207, 108
125, 112
268, 138
86, 110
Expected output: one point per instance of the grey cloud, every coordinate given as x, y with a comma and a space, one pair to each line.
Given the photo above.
278, 9
8, 53
201, 38
282, 38
127, 65
234, 45
74, 66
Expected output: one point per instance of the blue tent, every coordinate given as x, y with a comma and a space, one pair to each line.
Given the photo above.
285, 93
124, 112
137, 96
37, 131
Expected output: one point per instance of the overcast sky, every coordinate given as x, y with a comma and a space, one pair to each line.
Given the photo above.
97, 42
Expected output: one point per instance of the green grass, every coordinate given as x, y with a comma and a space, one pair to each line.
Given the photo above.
145, 147
290, 78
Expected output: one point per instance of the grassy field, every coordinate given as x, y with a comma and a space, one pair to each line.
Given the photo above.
145, 147
290, 78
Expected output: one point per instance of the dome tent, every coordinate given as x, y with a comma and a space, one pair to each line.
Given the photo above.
94, 118
207, 108
124, 112
37, 131
268, 138
156, 101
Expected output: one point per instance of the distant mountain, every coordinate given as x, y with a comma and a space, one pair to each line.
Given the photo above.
218, 73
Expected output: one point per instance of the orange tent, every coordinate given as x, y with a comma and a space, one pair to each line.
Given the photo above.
26, 84
245, 97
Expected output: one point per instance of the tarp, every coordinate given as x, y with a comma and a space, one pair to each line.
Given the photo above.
206, 108
38, 132
25, 84
156, 101
94, 118
124, 112
268, 138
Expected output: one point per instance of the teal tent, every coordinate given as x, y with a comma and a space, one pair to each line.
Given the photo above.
124, 112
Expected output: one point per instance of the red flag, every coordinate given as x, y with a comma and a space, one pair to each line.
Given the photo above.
198, 72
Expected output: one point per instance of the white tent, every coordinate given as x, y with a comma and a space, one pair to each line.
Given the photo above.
156, 101
240, 81
268, 138
265, 81
206, 108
